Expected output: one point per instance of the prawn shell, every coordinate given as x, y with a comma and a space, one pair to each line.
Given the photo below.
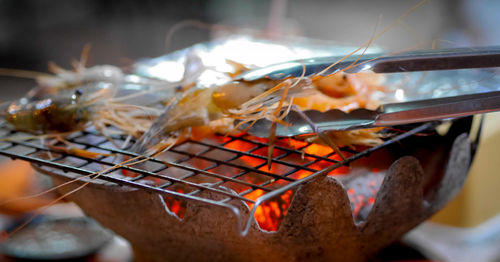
232, 95
47, 116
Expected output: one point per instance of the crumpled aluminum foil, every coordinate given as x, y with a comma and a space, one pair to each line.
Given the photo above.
208, 64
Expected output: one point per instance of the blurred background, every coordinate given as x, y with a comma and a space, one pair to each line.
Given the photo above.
33, 33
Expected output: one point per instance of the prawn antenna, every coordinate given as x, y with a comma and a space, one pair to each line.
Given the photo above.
375, 37
206, 26
19, 73
132, 161
43, 192
15, 230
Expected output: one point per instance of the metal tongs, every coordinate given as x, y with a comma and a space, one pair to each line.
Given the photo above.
390, 114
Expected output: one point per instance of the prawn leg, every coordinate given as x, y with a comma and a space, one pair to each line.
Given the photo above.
272, 134
77, 151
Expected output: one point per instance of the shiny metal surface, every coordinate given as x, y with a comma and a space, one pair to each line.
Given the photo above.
422, 60
385, 115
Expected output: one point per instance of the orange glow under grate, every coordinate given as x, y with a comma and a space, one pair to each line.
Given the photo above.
270, 214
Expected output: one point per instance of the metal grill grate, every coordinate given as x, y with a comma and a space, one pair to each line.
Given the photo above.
232, 167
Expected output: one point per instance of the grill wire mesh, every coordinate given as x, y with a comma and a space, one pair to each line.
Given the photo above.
232, 167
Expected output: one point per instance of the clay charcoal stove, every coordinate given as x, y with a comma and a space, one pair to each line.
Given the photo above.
215, 199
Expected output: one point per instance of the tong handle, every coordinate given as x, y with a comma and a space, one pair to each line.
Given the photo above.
439, 59
436, 109
423, 60
386, 115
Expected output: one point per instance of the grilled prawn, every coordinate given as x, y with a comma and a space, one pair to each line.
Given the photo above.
69, 99
46, 110
219, 107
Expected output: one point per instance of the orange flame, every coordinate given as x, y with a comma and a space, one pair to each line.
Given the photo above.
271, 213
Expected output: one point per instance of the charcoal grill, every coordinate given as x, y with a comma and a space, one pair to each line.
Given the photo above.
309, 226
47, 160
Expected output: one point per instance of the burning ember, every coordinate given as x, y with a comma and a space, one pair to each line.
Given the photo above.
270, 214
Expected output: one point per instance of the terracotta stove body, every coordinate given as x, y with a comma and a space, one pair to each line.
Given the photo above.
319, 225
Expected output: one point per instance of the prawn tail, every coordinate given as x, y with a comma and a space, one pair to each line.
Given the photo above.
152, 137
155, 133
